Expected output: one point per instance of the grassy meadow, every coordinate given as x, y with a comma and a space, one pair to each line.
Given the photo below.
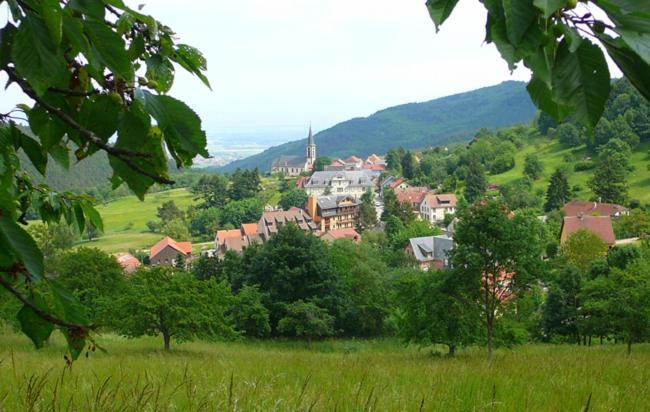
551, 154
125, 220
136, 375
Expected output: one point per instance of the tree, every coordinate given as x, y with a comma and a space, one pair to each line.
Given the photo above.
393, 207
408, 165
475, 183
367, 210
609, 182
179, 262
208, 267
241, 211
553, 41
212, 189
306, 320
321, 162
52, 238
168, 211
249, 315
93, 276
519, 194
560, 311
631, 297
582, 248
394, 160
533, 168
496, 254
175, 229
433, 310
162, 300
557, 193
636, 224
293, 198
292, 265
569, 135
244, 184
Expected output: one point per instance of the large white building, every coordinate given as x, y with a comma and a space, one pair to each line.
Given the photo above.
434, 207
294, 165
353, 183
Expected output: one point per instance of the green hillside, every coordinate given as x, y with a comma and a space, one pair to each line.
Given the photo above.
413, 125
125, 220
552, 154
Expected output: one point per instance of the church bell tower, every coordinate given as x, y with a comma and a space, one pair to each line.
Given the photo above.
311, 148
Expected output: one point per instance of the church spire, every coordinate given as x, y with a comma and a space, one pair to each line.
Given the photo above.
310, 139
311, 148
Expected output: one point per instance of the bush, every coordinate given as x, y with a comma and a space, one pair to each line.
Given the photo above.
583, 165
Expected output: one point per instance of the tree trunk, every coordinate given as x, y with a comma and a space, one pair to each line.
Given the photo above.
589, 340
452, 350
490, 325
166, 339
601, 339
629, 346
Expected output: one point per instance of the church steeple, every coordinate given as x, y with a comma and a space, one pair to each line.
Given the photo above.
311, 148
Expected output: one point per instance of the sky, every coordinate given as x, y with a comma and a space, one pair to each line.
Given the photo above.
278, 65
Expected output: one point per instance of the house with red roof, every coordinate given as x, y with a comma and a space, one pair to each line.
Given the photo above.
412, 196
236, 240
128, 262
347, 233
586, 208
601, 226
166, 251
435, 206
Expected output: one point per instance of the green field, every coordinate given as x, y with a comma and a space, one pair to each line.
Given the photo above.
551, 153
125, 220
136, 375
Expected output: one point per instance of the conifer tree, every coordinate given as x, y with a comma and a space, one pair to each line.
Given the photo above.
557, 193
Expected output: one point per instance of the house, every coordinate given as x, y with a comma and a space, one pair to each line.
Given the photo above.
434, 207
236, 240
601, 226
348, 233
128, 262
333, 212
586, 208
354, 183
166, 251
295, 165
430, 251
414, 196
270, 222
398, 184
376, 160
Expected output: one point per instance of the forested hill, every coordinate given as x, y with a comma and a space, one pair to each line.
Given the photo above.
413, 125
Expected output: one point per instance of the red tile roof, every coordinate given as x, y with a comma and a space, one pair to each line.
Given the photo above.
396, 183
300, 183
601, 226
353, 159
346, 233
249, 229
183, 247
128, 262
578, 207
411, 195
222, 235
442, 200
374, 167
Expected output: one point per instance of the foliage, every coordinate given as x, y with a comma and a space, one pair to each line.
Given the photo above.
560, 315
93, 276
249, 315
293, 198
175, 229
52, 238
609, 182
244, 184
433, 310
321, 162
533, 168
557, 193
367, 210
306, 320
408, 165
168, 211
212, 189
395, 208
175, 304
636, 224
496, 254
519, 194
475, 183
569, 135
582, 248
554, 41
241, 211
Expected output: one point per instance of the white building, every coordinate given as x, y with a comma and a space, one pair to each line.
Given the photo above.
434, 207
354, 183
295, 165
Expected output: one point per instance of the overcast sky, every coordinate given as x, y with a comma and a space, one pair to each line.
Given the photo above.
277, 65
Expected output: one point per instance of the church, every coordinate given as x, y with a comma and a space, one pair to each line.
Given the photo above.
294, 165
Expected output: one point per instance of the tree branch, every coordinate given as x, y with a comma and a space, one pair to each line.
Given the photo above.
40, 312
73, 92
121, 154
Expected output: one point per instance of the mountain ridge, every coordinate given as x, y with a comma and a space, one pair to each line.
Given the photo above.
412, 125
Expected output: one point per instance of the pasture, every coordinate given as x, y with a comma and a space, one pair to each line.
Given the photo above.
344, 375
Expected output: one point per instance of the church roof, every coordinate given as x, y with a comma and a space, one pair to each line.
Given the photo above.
310, 138
290, 161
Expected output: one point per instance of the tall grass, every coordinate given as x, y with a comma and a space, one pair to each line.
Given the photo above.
334, 375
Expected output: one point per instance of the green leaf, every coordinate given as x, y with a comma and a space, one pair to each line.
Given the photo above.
110, 49
632, 20
68, 307
548, 7
32, 149
136, 49
181, 127
135, 133
520, 15
92, 215
91, 8
573, 37
73, 32
52, 15
79, 215
6, 40
49, 131
581, 80
31, 324
99, 114
60, 154
24, 247
631, 64
541, 94
160, 71
36, 56
191, 60
440, 10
